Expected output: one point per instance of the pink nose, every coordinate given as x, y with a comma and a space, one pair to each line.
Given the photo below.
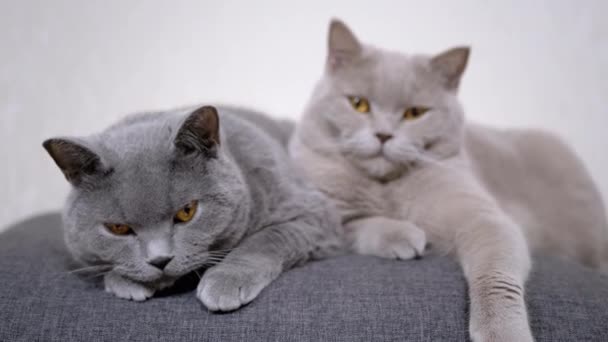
383, 137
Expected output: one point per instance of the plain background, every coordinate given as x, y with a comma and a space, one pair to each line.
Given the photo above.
74, 67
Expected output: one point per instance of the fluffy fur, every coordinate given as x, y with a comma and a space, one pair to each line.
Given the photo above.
483, 195
255, 217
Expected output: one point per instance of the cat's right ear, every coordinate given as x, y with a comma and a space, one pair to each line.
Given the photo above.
200, 132
342, 45
76, 161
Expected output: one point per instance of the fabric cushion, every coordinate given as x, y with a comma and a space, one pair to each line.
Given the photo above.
351, 298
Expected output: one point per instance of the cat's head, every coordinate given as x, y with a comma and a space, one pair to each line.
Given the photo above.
386, 111
152, 196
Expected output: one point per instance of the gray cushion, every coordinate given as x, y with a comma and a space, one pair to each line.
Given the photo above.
350, 298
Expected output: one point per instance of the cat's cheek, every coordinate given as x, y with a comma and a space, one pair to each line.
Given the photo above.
79, 246
173, 270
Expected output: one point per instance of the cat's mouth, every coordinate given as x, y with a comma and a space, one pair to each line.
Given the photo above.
401, 162
386, 165
380, 168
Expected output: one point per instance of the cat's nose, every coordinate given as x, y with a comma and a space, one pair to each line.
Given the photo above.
383, 137
160, 261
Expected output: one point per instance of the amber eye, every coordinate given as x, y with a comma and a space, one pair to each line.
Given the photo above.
414, 112
119, 229
186, 213
360, 104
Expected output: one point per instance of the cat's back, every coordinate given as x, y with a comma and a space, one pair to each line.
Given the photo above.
531, 157
254, 139
238, 125
278, 129
543, 185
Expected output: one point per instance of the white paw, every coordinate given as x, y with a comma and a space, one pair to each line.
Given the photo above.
501, 331
227, 288
392, 242
126, 289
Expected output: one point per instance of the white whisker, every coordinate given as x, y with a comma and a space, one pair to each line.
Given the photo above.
89, 269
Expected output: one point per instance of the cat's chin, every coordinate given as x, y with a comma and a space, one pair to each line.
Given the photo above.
380, 169
158, 283
150, 275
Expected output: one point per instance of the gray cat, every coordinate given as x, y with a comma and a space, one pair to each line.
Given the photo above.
384, 135
160, 195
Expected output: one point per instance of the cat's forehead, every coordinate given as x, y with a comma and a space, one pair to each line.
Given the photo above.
140, 142
145, 185
391, 78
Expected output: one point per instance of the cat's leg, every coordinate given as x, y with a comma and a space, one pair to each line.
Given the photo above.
385, 237
496, 262
258, 260
127, 289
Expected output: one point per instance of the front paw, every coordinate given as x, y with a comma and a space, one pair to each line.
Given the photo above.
392, 242
228, 287
502, 335
501, 331
127, 289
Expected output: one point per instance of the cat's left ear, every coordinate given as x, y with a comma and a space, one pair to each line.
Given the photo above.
451, 65
200, 132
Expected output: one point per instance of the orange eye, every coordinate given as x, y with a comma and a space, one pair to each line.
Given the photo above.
414, 113
186, 213
360, 104
119, 229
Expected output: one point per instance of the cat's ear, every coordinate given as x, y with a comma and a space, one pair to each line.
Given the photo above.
76, 161
451, 65
200, 132
342, 45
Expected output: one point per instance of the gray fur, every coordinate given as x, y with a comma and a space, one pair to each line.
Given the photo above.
255, 218
482, 195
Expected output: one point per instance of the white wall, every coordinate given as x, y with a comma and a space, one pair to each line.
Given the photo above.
73, 67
